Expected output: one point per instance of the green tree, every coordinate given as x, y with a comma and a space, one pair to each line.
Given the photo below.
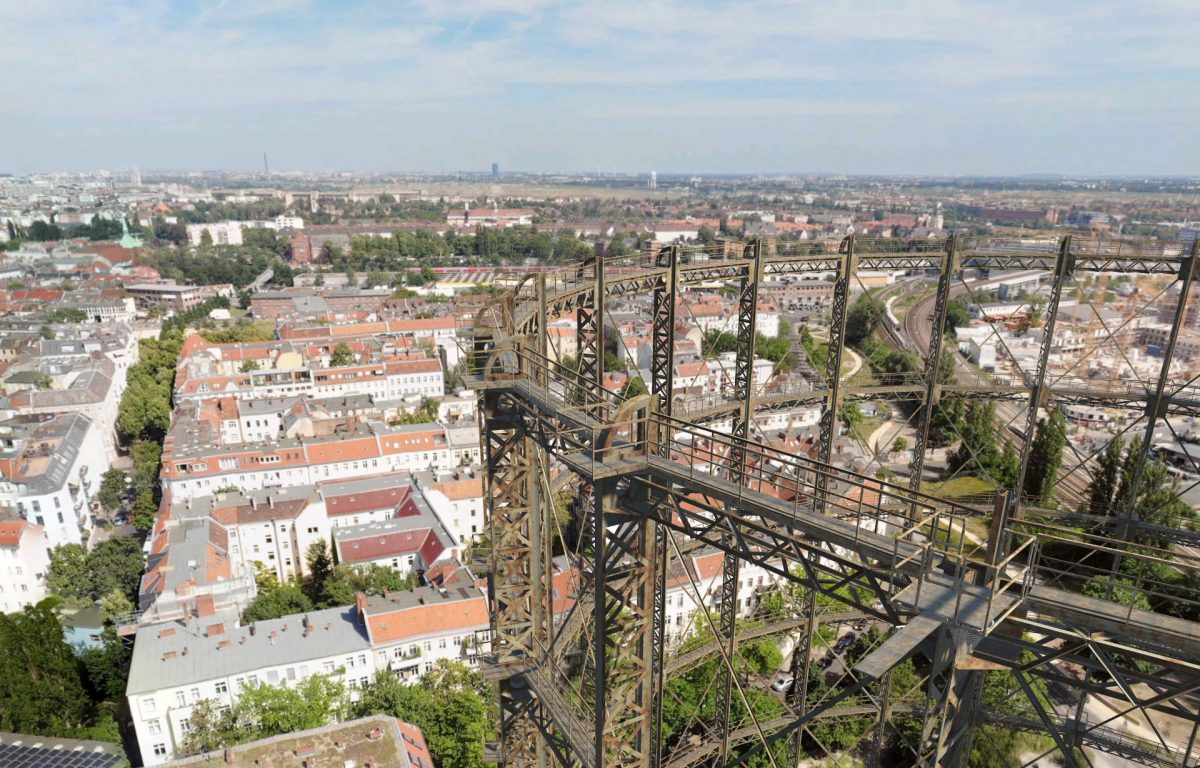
1124, 591
851, 416
446, 705
68, 576
373, 579
263, 711
40, 688
146, 456
862, 319
979, 453
274, 603
634, 388
957, 316
106, 668
1045, 457
718, 342
320, 571
40, 231
144, 510
115, 565
1121, 501
341, 356
112, 485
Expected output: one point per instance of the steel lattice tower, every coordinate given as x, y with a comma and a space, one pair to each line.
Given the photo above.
586, 686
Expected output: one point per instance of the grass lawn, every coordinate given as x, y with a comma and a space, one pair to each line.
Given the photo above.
959, 486
864, 378
866, 428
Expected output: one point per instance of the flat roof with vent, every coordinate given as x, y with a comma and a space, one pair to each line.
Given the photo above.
378, 741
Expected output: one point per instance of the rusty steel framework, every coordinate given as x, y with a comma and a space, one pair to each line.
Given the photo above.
656, 477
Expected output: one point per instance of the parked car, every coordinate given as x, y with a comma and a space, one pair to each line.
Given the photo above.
783, 683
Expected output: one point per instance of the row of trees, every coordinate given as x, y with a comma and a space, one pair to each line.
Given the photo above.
448, 704
486, 246
99, 228
236, 264
144, 413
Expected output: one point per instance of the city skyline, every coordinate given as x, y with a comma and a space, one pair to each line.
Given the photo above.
945, 88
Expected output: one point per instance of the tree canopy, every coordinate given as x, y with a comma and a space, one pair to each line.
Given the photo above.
262, 711
448, 705
40, 687
114, 565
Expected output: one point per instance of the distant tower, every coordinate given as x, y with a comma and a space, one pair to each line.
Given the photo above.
495, 170
938, 221
135, 177
653, 180
266, 168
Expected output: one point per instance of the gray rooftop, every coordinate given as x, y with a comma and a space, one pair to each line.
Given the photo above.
276, 642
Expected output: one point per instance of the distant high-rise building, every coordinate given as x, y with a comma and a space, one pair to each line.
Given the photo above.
135, 177
495, 170
653, 180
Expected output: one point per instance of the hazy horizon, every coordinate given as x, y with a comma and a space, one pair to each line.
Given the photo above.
937, 88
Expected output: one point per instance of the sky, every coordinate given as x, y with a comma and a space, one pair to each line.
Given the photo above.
934, 87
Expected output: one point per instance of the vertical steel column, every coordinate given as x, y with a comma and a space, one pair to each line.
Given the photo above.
602, 495
882, 719
662, 358
514, 582
1064, 268
1156, 406
743, 384
541, 340
933, 361
589, 337
801, 671
662, 377
833, 371
946, 736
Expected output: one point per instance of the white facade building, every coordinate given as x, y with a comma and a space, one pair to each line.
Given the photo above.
177, 664
52, 469
24, 562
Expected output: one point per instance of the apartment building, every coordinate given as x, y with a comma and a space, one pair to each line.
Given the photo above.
50, 468
264, 370
24, 562
179, 663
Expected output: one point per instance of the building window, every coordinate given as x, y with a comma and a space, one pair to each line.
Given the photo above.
180, 698
221, 687
160, 750
154, 727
